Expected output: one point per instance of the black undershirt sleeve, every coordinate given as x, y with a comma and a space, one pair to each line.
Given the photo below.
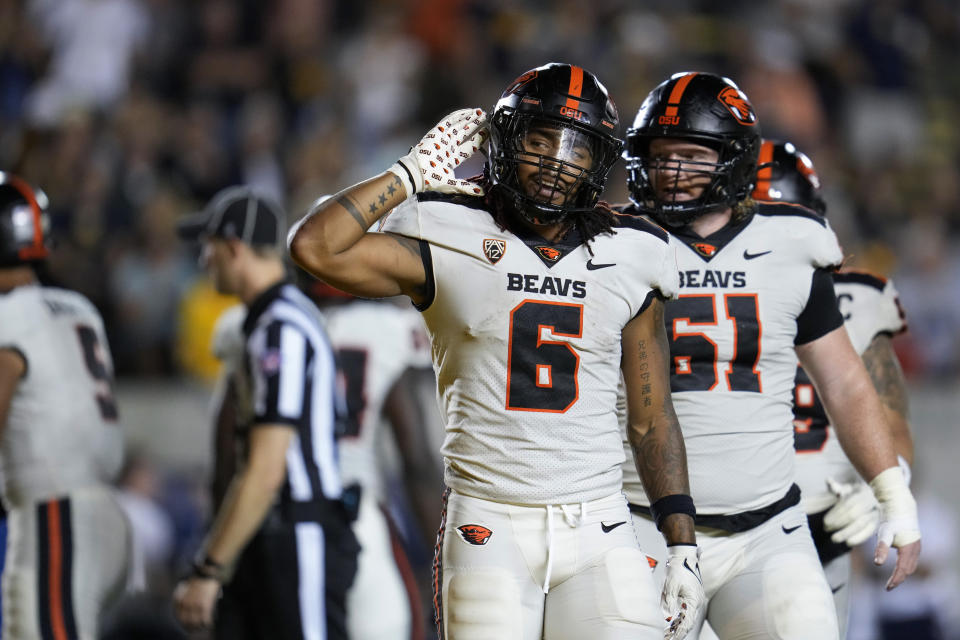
430, 284
653, 294
822, 314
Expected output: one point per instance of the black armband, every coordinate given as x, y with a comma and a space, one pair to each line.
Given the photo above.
668, 505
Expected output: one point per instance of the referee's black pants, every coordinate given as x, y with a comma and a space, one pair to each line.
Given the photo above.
290, 583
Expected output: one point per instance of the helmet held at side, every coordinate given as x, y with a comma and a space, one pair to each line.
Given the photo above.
786, 174
699, 109
553, 141
24, 222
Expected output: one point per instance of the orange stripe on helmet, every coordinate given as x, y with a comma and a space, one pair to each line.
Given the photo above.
673, 102
576, 87
765, 173
36, 250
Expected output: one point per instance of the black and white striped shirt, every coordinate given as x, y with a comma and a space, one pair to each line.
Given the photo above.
292, 381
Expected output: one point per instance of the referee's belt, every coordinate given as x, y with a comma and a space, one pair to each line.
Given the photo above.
324, 510
743, 521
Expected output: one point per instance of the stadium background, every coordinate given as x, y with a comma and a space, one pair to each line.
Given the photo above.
130, 113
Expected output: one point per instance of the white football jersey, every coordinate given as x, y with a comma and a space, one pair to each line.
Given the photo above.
732, 332
870, 307
375, 343
526, 347
61, 432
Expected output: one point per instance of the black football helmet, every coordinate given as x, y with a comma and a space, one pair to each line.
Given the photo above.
704, 109
24, 222
786, 174
559, 121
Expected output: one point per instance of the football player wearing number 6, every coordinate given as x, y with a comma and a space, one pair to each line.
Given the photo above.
841, 510
756, 294
534, 296
68, 549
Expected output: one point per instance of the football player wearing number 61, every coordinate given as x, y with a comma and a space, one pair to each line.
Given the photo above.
534, 296
68, 548
756, 294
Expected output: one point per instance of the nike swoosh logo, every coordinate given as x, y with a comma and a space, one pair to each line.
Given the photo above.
695, 572
750, 256
790, 530
838, 588
607, 528
594, 267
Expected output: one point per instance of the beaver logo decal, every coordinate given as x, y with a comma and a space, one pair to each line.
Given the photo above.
738, 105
474, 533
704, 249
549, 253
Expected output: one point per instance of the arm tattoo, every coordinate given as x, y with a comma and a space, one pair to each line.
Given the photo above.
347, 203
645, 390
662, 455
886, 374
410, 244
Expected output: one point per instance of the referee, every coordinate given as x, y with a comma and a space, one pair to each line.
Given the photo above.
282, 532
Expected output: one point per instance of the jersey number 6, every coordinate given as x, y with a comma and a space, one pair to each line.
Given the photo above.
542, 371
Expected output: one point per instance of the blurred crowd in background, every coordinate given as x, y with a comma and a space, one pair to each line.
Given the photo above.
131, 113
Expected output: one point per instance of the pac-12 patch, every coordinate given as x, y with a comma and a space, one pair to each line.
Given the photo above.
494, 249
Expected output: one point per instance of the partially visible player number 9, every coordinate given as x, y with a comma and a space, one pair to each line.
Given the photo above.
97, 366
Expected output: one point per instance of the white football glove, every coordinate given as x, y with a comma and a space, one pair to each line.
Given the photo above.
899, 526
683, 598
855, 515
431, 162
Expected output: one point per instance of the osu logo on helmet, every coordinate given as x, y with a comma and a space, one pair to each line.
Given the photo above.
737, 103
474, 533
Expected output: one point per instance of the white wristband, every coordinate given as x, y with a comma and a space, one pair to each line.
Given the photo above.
898, 509
405, 174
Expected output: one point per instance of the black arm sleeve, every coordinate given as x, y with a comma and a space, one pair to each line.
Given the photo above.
430, 285
654, 294
822, 314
